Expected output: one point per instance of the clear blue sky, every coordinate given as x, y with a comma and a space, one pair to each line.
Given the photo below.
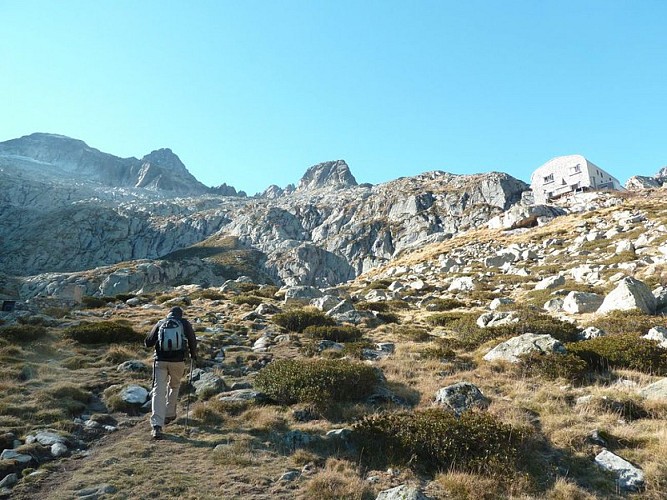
252, 93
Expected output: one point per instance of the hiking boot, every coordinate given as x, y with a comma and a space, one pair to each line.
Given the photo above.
169, 420
156, 432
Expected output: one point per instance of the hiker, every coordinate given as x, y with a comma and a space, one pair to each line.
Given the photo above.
169, 336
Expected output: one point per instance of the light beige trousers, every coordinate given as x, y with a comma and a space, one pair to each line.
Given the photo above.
168, 376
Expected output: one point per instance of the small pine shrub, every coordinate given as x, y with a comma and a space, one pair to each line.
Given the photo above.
379, 284
444, 304
90, 302
208, 294
320, 382
267, 291
553, 366
372, 306
636, 322
22, 333
434, 440
626, 350
335, 333
247, 287
250, 300
415, 334
105, 332
397, 304
123, 297
441, 353
297, 320
444, 319
388, 317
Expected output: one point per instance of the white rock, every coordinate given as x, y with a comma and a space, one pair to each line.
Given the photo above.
658, 333
512, 349
629, 477
629, 294
582, 302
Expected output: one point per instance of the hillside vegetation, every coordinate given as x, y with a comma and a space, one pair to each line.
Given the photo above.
387, 380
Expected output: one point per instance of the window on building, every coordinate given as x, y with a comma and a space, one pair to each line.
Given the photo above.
576, 169
548, 178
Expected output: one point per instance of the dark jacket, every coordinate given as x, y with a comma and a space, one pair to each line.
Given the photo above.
151, 340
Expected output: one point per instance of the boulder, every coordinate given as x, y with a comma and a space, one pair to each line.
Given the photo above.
659, 334
628, 477
402, 492
461, 397
591, 332
208, 383
500, 301
134, 395
629, 294
550, 283
325, 303
655, 391
582, 302
301, 294
512, 349
462, 284
496, 318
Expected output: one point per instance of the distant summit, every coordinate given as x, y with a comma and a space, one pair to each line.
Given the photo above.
160, 170
330, 174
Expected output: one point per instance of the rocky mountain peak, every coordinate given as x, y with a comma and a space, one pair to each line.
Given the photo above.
329, 174
166, 159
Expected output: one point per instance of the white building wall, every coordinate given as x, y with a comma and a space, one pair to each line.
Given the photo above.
567, 174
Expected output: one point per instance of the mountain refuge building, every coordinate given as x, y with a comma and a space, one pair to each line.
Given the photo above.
569, 174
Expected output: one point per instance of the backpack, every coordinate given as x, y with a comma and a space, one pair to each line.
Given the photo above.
171, 336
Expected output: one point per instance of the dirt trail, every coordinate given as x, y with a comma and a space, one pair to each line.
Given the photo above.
180, 465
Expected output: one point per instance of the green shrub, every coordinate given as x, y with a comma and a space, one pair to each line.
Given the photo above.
22, 333
439, 352
250, 300
335, 333
267, 291
553, 366
625, 350
105, 332
318, 381
397, 304
124, 297
434, 440
444, 304
444, 319
90, 302
67, 397
415, 334
372, 306
635, 322
379, 284
388, 317
247, 287
208, 294
297, 320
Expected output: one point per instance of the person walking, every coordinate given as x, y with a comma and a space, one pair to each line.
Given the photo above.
170, 336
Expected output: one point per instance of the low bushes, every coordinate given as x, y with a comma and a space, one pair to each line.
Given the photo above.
22, 333
553, 366
335, 333
625, 350
435, 440
297, 320
317, 381
444, 304
250, 300
105, 332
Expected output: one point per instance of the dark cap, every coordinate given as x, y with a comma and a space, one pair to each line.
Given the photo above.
176, 312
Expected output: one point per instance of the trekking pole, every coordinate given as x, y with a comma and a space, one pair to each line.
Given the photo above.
187, 406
